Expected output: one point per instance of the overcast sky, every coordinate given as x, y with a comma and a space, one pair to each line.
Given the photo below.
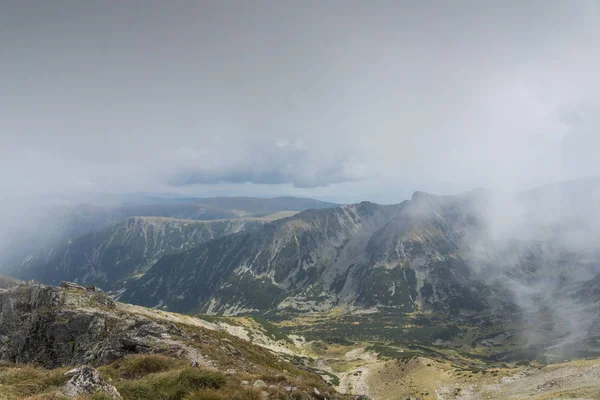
342, 100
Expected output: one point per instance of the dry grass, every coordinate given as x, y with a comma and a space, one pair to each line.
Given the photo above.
138, 366
238, 393
28, 382
158, 377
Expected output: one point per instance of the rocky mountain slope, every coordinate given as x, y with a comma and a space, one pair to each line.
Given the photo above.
119, 252
42, 228
404, 256
73, 325
145, 354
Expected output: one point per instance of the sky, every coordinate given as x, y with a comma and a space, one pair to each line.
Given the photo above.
338, 100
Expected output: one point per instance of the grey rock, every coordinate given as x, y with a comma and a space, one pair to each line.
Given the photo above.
74, 325
86, 380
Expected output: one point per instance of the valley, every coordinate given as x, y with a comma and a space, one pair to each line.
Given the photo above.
432, 298
86, 323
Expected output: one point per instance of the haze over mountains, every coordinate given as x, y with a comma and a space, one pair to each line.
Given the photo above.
527, 259
43, 227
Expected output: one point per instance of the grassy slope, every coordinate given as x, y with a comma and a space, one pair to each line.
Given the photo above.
226, 361
158, 377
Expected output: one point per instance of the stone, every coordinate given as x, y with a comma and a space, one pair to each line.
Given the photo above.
86, 380
259, 383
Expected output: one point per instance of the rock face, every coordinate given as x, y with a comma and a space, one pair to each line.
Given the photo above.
86, 380
74, 325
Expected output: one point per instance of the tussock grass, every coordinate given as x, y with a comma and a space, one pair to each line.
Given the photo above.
171, 385
207, 394
138, 366
195, 378
27, 382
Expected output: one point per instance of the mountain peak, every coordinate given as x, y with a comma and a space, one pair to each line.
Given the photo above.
418, 196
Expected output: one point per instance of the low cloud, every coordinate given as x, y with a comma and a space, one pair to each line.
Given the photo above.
537, 248
278, 163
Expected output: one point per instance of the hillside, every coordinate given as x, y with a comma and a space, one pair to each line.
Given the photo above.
124, 250
47, 227
146, 357
147, 353
365, 255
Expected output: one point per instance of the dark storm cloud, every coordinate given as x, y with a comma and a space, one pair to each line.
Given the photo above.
283, 162
272, 175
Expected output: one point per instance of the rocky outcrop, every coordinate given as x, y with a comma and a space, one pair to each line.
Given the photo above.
79, 326
74, 325
85, 380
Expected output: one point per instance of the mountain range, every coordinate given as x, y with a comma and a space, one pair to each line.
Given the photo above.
46, 230
480, 259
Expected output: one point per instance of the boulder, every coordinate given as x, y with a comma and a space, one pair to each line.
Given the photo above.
86, 380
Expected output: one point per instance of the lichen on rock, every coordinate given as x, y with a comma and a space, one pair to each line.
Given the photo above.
85, 380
